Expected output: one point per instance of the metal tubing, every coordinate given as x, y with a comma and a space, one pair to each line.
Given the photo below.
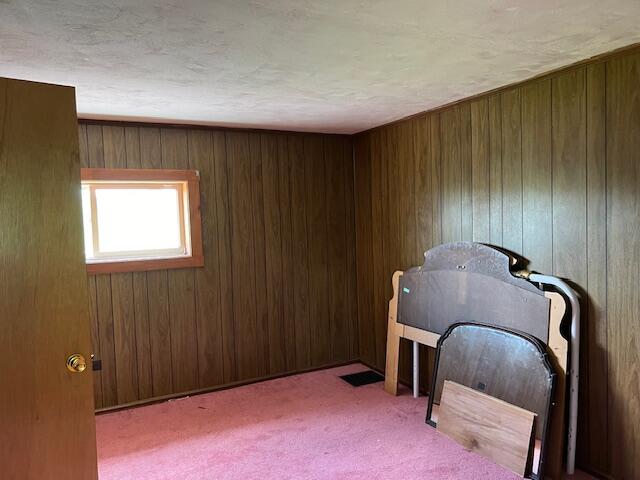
574, 366
416, 370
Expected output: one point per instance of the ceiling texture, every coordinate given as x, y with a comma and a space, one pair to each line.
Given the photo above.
338, 66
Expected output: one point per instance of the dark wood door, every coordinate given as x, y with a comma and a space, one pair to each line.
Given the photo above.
47, 425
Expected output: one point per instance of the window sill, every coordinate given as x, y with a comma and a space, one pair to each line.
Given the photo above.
145, 265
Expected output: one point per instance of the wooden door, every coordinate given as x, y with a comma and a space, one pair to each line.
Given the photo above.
47, 425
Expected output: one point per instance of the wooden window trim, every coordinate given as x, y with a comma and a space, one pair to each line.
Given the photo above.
192, 179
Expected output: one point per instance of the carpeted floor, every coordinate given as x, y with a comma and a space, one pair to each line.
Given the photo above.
310, 426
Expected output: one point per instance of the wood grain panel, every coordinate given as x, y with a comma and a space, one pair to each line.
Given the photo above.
350, 233
140, 291
484, 424
122, 301
157, 288
554, 177
466, 173
569, 203
288, 266
252, 309
597, 265
207, 279
320, 329
223, 241
335, 174
257, 209
182, 309
423, 188
623, 247
480, 171
277, 338
242, 255
364, 252
300, 252
43, 293
380, 277
401, 173
104, 307
424, 215
511, 171
451, 164
405, 173
537, 175
495, 170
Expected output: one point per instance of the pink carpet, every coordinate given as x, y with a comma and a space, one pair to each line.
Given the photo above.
310, 426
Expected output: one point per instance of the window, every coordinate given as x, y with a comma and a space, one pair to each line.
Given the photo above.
137, 220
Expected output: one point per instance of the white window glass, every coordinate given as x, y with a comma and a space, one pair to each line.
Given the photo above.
133, 220
126, 220
86, 219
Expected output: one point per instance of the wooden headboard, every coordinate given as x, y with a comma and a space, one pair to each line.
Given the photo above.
472, 282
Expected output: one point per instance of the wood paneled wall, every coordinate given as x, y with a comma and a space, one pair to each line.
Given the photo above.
549, 169
277, 292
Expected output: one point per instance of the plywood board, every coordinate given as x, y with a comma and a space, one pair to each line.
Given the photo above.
488, 426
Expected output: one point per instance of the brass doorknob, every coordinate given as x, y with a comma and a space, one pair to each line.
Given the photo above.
76, 363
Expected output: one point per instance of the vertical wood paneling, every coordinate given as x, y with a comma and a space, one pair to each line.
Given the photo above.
142, 335
273, 248
124, 331
401, 173
104, 309
223, 241
278, 290
423, 188
182, 308
597, 266
436, 177
350, 243
552, 171
466, 173
495, 170
257, 209
364, 252
320, 328
335, 174
288, 267
301, 285
242, 255
139, 284
536, 174
157, 289
569, 176
424, 215
380, 276
480, 171
569, 203
511, 171
623, 249
406, 180
451, 164
207, 279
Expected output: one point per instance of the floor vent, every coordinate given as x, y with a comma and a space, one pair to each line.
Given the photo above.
362, 378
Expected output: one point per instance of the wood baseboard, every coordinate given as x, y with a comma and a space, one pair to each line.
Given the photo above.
225, 386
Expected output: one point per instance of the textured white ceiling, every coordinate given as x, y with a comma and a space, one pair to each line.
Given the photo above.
328, 66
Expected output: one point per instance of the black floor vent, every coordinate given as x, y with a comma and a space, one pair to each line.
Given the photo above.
362, 378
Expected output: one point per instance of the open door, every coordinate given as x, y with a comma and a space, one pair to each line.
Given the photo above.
47, 425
